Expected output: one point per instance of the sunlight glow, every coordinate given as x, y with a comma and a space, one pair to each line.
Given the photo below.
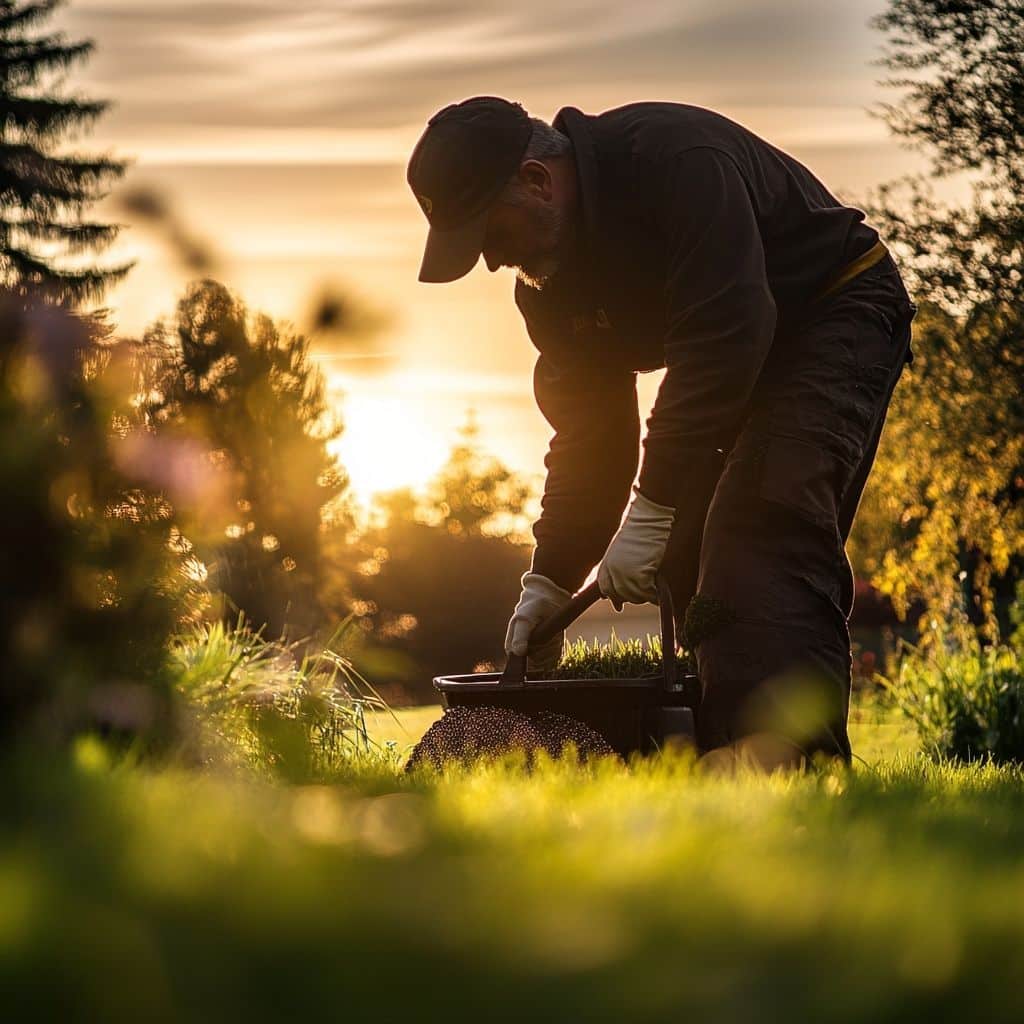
399, 427
390, 441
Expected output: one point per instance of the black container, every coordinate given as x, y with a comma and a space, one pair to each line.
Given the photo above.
633, 715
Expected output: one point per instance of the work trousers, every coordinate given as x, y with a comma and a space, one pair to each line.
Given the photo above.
761, 584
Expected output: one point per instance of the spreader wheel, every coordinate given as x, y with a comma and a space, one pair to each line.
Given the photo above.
468, 734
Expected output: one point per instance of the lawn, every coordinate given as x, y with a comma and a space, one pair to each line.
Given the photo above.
889, 893
876, 732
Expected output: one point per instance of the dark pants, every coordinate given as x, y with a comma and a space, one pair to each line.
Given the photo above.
764, 598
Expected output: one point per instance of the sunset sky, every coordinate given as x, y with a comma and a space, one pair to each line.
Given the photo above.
281, 131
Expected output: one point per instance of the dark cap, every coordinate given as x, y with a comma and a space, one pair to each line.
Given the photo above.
460, 165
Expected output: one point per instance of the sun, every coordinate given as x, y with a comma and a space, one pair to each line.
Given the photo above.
389, 441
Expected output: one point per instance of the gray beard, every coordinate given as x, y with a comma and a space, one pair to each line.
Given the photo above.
538, 278
540, 271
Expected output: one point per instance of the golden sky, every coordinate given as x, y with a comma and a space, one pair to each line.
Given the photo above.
281, 130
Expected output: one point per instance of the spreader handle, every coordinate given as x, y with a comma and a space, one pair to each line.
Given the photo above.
565, 616
515, 667
668, 634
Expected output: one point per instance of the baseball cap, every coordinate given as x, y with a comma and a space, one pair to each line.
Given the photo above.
460, 165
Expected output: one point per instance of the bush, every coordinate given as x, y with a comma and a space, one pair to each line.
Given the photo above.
91, 583
967, 701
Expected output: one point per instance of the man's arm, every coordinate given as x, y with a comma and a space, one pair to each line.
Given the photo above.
720, 322
591, 463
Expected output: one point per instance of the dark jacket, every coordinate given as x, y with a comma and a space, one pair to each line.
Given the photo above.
697, 241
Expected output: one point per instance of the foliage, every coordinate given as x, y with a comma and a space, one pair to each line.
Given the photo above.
962, 66
600, 894
948, 522
616, 659
267, 706
244, 389
436, 577
91, 583
43, 192
966, 700
476, 495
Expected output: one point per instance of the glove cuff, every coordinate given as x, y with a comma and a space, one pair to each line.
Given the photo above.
536, 584
649, 509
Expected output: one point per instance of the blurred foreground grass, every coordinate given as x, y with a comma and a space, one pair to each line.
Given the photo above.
576, 894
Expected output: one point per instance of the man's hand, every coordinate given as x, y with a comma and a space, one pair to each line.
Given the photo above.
540, 598
627, 571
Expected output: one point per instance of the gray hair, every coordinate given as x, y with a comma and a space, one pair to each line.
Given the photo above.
545, 143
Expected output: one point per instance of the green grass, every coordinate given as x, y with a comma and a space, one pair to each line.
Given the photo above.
269, 707
651, 893
639, 893
615, 659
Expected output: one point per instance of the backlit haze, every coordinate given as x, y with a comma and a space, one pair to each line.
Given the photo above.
280, 133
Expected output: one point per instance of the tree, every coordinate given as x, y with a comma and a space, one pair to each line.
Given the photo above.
244, 388
44, 194
962, 63
436, 581
476, 495
947, 523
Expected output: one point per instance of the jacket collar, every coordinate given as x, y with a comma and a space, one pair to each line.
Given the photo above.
574, 123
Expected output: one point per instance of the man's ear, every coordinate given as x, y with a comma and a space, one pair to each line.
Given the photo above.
537, 178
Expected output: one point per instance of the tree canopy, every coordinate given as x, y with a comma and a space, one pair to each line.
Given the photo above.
943, 519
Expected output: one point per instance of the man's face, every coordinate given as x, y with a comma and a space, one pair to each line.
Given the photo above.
532, 238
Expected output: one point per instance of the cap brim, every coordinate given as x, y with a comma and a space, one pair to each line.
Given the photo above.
453, 253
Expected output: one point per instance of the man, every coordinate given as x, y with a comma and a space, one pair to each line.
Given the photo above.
665, 235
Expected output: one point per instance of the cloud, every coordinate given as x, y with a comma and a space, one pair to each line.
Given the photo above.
183, 71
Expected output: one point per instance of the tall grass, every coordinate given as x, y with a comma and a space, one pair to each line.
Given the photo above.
272, 706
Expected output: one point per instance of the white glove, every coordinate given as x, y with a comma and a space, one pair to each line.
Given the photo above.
539, 599
627, 571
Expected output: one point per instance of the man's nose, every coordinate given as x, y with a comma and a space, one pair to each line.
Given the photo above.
492, 260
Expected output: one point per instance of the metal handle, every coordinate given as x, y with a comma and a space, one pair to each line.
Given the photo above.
550, 627
515, 667
514, 673
668, 635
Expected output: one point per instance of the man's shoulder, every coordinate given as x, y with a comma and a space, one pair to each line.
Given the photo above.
666, 112
658, 128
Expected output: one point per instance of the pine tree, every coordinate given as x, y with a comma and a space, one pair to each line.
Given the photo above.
43, 192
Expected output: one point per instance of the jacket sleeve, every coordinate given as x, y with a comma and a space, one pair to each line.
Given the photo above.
720, 319
591, 463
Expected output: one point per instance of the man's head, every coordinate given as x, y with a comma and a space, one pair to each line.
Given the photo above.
495, 181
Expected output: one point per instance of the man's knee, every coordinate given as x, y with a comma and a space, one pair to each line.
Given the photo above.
787, 680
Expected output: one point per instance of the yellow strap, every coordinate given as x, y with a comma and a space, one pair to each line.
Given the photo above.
846, 274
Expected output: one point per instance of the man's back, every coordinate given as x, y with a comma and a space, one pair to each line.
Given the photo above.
643, 172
